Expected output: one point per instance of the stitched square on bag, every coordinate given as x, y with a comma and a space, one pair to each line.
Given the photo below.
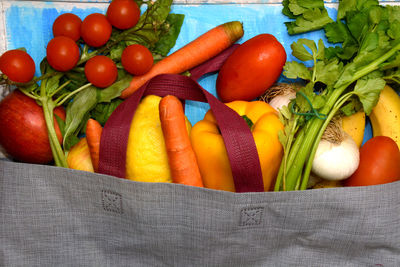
251, 216
112, 201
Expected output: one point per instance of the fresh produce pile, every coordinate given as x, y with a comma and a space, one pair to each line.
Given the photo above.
308, 130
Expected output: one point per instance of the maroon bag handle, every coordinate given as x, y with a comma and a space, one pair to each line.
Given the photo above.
239, 141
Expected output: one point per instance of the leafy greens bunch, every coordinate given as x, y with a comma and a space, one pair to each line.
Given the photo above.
345, 77
157, 29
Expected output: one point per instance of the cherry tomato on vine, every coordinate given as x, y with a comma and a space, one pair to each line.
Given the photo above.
379, 163
101, 71
96, 30
68, 25
18, 65
62, 53
137, 59
123, 14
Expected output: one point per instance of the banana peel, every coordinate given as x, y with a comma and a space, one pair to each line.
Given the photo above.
354, 125
385, 116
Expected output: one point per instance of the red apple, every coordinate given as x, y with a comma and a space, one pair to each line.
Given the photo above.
79, 157
23, 132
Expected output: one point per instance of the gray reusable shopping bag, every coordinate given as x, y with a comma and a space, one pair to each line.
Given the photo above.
52, 216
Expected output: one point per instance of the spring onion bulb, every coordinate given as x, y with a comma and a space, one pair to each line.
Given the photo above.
337, 155
280, 95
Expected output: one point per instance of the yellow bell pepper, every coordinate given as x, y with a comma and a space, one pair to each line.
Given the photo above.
211, 153
146, 155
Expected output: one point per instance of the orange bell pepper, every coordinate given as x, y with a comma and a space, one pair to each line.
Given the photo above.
211, 153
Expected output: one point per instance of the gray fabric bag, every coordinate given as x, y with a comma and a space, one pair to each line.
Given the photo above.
52, 216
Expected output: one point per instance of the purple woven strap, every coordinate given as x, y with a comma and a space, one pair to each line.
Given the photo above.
213, 64
239, 142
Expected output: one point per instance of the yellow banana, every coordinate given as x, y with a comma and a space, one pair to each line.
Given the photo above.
385, 117
354, 125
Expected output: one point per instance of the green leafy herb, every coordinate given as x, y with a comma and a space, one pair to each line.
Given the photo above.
308, 15
343, 78
102, 111
77, 112
169, 34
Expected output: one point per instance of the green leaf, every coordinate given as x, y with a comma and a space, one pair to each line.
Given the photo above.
368, 91
300, 51
394, 30
286, 11
302, 100
115, 90
393, 13
116, 51
347, 75
370, 43
76, 77
294, 70
321, 50
139, 2
329, 72
357, 23
169, 35
295, 8
344, 7
298, 7
337, 32
392, 76
366, 4
352, 106
311, 20
148, 29
103, 111
53, 83
61, 124
76, 112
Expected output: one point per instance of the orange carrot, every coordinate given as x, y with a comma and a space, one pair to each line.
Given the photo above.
181, 157
93, 136
194, 53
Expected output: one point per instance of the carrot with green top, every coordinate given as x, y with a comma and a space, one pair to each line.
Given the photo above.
194, 53
181, 157
93, 136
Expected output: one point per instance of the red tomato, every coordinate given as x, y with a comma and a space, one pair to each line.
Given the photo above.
96, 30
62, 53
68, 25
123, 14
137, 59
101, 71
23, 131
379, 163
17, 65
251, 69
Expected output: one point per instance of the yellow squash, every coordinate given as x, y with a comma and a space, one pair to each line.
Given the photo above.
211, 153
